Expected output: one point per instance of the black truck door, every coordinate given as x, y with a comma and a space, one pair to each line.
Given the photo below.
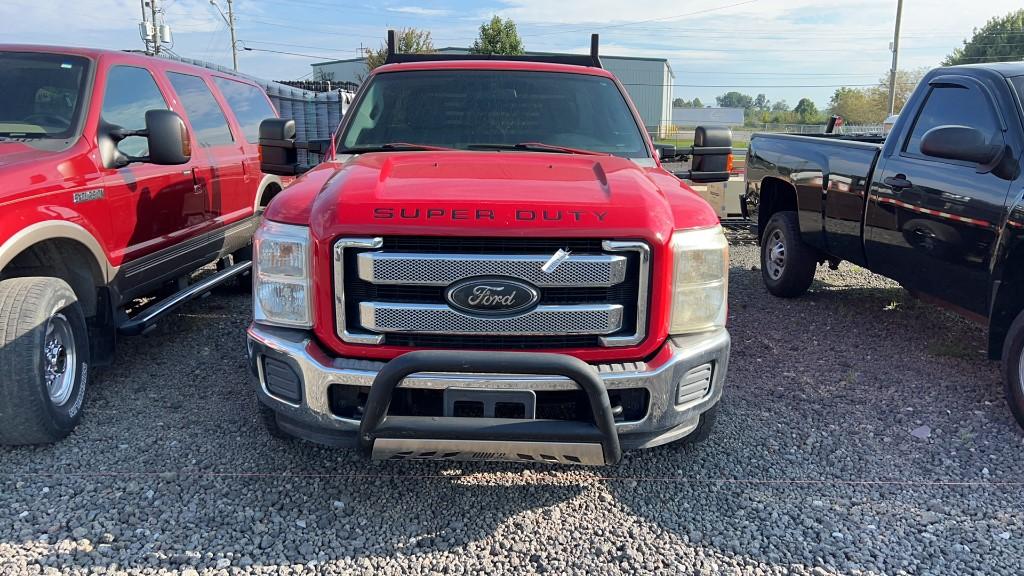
931, 223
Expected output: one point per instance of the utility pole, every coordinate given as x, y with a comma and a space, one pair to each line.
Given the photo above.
895, 59
229, 19
156, 27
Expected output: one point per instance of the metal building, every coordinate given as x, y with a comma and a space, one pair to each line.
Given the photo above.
647, 80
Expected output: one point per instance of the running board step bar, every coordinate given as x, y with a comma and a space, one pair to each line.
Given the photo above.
146, 320
454, 438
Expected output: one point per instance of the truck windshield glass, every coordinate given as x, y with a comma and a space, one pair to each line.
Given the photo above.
1018, 83
471, 108
41, 95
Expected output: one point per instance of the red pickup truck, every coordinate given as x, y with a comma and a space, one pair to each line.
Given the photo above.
120, 175
492, 264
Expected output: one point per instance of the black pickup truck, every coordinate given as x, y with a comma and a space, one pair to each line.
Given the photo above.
936, 206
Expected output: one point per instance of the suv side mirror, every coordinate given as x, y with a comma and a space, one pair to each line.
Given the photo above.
279, 149
711, 154
167, 141
666, 152
959, 143
167, 137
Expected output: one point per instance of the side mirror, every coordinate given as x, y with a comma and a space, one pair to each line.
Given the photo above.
666, 152
279, 149
167, 137
959, 143
711, 154
278, 154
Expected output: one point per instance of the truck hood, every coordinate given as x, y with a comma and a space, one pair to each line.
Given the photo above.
17, 154
502, 193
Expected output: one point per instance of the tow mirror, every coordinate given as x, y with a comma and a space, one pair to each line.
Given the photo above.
167, 138
666, 152
711, 155
279, 149
167, 141
961, 143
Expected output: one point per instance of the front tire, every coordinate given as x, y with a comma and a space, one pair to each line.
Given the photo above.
1013, 366
44, 360
787, 264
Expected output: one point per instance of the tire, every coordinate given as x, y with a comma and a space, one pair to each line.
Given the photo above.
243, 282
1013, 366
704, 428
269, 419
787, 264
44, 360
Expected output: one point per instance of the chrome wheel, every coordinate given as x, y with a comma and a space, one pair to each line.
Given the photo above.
59, 359
1020, 371
775, 255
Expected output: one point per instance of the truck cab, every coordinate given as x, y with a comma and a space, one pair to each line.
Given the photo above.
936, 206
492, 264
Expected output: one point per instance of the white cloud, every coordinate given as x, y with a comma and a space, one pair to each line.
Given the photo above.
419, 11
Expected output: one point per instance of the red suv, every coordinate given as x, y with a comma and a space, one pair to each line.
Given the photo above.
120, 175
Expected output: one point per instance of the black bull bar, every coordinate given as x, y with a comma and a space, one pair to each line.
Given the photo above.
386, 436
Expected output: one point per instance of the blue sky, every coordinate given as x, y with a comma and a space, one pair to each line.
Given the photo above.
786, 49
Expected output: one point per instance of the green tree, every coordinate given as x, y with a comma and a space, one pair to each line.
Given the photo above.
806, 111
858, 106
735, 100
498, 37
407, 41
680, 103
762, 103
780, 106
696, 103
999, 39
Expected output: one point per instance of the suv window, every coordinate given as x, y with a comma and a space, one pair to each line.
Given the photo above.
952, 105
463, 108
249, 104
130, 92
204, 113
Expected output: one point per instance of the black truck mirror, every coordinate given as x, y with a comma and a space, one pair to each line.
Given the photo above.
711, 155
278, 154
167, 138
959, 143
279, 149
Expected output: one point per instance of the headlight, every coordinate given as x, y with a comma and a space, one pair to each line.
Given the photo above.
700, 280
282, 294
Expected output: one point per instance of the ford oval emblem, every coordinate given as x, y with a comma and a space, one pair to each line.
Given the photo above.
492, 296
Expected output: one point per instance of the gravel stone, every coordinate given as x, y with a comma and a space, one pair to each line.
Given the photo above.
811, 468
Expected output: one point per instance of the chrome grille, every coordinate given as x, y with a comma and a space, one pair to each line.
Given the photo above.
441, 319
443, 269
391, 291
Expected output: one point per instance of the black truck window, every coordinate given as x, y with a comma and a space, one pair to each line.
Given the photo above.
952, 105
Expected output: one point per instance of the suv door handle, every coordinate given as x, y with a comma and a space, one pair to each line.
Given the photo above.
897, 182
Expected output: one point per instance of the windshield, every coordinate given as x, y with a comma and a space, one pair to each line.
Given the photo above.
41, 95
466, 109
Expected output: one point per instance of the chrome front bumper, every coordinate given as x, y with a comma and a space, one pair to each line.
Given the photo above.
311, 418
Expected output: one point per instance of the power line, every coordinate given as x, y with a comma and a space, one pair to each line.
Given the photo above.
316, 56
300, 46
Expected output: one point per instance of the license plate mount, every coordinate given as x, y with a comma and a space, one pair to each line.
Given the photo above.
473, 402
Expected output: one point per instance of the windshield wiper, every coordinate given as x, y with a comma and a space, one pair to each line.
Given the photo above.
536, 147
392, 147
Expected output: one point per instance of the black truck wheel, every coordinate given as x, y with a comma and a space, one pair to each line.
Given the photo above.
1013, 365
44, 360
787, 264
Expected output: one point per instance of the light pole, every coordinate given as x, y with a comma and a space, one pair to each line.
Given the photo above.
229, 19
895, 59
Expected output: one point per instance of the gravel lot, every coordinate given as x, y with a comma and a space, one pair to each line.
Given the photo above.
812, 470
